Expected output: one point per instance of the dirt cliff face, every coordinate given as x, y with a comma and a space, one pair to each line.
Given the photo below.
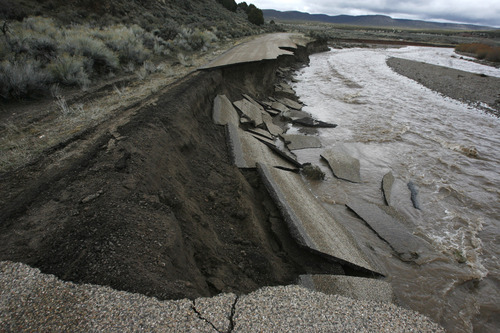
155, 205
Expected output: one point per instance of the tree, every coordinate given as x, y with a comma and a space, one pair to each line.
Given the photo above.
229, 4
243, 6
255, 15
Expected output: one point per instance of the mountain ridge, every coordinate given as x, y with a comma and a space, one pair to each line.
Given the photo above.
368, 21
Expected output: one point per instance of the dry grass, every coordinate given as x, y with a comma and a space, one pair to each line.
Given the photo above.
481, 51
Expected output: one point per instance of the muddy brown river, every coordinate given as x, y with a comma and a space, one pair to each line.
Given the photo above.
448, 150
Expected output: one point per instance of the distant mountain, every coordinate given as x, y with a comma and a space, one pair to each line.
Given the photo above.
368, 21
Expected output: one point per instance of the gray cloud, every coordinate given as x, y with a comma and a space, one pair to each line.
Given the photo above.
483, 12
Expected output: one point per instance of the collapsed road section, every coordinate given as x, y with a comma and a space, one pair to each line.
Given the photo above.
155, 205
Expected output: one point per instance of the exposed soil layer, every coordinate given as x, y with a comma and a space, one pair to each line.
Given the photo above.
155, 205
464, 86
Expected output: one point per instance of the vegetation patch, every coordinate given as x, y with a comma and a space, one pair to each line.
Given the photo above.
480, 51
37, 53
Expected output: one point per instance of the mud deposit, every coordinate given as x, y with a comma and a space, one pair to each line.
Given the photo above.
156, 206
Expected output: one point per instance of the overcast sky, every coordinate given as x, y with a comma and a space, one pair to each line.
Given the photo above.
482, 12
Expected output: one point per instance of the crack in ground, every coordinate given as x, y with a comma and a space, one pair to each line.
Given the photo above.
231, 317
203, 318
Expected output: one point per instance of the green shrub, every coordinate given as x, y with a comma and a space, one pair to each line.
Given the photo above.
126, 42
23, 78
103, 59
41, 25
194, 40
69, 70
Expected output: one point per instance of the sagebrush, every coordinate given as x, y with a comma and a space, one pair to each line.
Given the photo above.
37, 53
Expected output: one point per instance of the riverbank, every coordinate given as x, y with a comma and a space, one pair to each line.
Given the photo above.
478, 90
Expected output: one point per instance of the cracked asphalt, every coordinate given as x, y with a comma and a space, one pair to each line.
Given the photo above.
32, 301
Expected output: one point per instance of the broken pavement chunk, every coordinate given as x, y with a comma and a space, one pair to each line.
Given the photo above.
296, 141
235, 146
251, 100
271, 127
283, 87
224, 112
272, 112
255, 149
250, 110
310, 122
308, 221
343, 165
262, 133
279, 107
291, 104
408, 246
293, 115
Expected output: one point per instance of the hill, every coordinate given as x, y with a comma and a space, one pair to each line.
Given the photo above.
368, 21
165, 17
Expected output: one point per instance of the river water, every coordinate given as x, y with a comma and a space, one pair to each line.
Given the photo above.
449, 150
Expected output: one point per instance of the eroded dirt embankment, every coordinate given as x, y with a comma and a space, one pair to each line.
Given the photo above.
156, 206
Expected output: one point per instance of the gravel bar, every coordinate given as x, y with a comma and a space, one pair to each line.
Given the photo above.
31, 301
467, 87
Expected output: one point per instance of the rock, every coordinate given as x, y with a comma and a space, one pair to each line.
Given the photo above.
310, 122
387, 183
414, 192
216, 283
122, 162
295, 141
313, 172
250, 110
92, 196
343, 165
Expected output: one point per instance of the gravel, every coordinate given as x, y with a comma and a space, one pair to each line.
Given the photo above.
471, 88
32, 301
